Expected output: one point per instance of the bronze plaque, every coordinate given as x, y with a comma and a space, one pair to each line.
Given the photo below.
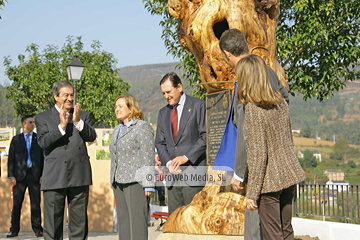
217, 108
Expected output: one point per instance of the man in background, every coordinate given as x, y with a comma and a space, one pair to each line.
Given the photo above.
25, 166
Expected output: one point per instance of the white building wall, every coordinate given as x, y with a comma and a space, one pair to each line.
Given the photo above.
325, 230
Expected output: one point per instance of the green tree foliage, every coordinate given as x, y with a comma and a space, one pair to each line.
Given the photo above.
102, 154
6, 111
306, 132
354, 152
351, 164
341, 146
317, 41
336, 156
309, 160
32, 79
340, 108
2, 3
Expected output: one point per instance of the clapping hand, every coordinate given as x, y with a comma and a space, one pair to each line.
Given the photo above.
76, 115
64, 117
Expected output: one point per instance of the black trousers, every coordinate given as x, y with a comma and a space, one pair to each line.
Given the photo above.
18, 198
159, 187
54, 206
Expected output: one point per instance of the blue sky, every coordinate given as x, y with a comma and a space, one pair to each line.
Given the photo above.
123, 27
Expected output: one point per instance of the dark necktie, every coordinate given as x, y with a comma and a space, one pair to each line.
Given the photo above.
28, 146
174, 122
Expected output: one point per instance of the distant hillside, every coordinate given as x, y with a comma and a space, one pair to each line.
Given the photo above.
351, 94
144, 81
338, 117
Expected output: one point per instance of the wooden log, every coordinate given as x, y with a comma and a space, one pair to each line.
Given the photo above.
210, 212
214, 210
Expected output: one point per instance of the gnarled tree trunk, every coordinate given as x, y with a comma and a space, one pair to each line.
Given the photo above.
201, 23
212, 211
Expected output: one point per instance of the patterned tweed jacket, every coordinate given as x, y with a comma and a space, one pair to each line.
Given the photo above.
272, 162
131, 150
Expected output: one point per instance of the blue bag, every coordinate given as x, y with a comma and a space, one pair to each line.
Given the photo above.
225, 158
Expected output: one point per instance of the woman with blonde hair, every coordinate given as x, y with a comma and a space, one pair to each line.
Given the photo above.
273, 166
132, 151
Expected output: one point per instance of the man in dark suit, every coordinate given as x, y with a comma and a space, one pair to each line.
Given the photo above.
25, 166
62, 133
181, 140
233, 47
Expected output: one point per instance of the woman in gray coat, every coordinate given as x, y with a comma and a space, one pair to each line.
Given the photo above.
132, 151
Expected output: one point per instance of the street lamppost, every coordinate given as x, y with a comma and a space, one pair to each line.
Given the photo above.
75, 70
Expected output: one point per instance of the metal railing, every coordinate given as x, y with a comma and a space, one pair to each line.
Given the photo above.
339, 203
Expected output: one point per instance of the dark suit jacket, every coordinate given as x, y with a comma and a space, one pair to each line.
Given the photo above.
191, 140
66, 158
241, 167
18, 155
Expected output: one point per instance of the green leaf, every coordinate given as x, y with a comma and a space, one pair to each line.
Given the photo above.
33, 77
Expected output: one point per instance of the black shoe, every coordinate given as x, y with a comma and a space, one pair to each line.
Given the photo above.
162, 203
12, 234
39, 234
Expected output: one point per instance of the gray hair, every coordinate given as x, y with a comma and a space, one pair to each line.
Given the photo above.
60, 84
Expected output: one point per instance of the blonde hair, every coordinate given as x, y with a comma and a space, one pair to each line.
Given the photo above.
133, 105
254, 83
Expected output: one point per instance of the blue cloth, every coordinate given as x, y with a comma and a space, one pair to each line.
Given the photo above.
225, 158
122, 126
149, 189
28, 146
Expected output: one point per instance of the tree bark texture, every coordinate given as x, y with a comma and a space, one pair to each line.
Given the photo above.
212, 211
201, 23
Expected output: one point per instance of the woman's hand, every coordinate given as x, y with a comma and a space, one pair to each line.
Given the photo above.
147, 193
251, 205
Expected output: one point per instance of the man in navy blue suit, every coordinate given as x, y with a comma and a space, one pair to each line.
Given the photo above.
25, 166
181, 141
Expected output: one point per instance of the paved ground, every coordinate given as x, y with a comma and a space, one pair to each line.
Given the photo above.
153, 234
108, 236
